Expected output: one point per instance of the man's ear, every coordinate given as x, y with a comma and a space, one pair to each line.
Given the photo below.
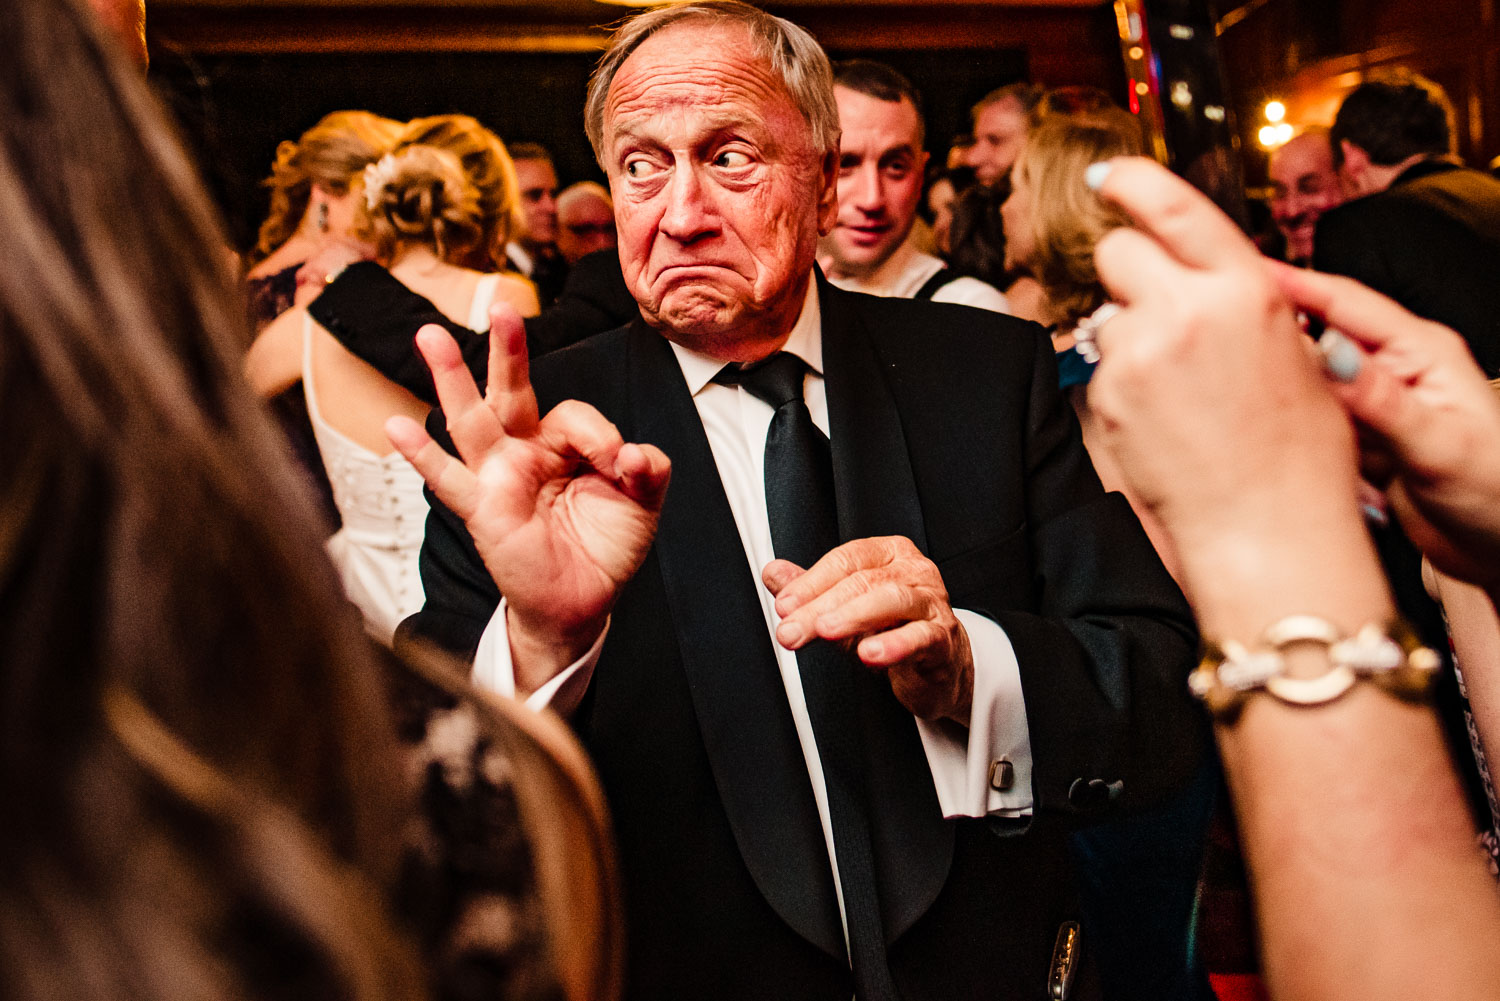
1355, 165
828, 197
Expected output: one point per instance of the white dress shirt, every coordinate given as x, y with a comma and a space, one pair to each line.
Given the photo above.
905, 272
736, 424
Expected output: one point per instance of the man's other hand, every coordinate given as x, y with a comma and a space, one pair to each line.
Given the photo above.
886, 600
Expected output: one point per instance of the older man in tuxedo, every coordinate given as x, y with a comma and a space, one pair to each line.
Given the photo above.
884, 636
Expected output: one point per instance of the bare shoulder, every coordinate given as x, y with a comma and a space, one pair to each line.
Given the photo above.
519, 292
274, 361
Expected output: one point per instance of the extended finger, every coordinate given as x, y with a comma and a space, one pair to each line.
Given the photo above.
509, 390
470, 421
1362, 313
886, 605
828, 615
1135, 269
1178, 215
451, 481
919, 640
838, 563
1378, 399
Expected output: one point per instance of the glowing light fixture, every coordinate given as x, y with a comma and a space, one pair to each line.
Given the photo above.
1272, 136
1275, 111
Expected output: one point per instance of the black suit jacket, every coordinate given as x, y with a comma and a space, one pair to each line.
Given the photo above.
1431, 241
948, 428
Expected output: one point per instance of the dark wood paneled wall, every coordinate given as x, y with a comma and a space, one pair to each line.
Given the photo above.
1310, 53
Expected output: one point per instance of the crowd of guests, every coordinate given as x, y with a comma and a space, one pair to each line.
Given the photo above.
864, 518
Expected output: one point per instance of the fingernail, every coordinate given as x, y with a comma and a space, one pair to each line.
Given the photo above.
790, 634
1097, 174
874, 649
1341, 357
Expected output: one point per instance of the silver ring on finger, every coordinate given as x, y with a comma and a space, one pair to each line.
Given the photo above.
1086, 333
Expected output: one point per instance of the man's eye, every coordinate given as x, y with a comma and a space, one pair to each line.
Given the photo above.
639, 168
732, 159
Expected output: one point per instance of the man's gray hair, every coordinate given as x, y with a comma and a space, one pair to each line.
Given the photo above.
794, 56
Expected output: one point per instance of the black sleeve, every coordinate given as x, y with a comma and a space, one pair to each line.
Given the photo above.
460, 596
1346, 244
1105, 652
594, 299
376, 317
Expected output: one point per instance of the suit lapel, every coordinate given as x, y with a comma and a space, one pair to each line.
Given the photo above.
877, 495
736, 688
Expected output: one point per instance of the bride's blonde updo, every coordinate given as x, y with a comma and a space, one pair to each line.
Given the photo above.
421, 195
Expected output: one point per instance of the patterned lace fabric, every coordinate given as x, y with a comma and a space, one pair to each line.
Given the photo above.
467, 887
1489, 839
271, 296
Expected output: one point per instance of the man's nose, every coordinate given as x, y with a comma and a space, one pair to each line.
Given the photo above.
866, 192
690, 212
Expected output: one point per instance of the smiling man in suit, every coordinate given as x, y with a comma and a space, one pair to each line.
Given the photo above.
884, 636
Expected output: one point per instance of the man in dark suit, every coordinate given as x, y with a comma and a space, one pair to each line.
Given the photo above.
1420, 227
844, 775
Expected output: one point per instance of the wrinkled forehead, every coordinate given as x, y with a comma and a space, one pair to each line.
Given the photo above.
700, 75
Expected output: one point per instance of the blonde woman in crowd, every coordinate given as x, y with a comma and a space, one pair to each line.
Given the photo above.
1052, 222
493, 174
422, 214
312, 206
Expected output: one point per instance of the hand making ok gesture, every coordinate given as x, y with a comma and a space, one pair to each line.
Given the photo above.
562, 510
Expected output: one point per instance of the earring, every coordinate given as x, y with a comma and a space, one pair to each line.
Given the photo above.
321, 219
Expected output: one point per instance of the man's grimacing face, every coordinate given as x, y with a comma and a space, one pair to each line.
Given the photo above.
720, 193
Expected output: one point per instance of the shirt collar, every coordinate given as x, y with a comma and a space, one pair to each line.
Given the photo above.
519, 256
805, 341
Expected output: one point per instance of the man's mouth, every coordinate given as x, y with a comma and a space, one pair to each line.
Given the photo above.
868, 235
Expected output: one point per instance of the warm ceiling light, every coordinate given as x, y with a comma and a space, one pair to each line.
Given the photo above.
1275, 111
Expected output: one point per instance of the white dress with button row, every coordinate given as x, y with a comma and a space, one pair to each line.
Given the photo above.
379, 498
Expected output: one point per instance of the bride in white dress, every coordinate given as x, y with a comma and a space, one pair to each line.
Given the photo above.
422, 213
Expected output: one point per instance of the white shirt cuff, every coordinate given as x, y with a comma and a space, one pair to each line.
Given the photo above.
493, 670
962, 760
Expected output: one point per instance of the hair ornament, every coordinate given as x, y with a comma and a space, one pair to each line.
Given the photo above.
378, 176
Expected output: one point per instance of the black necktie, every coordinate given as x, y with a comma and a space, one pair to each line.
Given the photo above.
804, 526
